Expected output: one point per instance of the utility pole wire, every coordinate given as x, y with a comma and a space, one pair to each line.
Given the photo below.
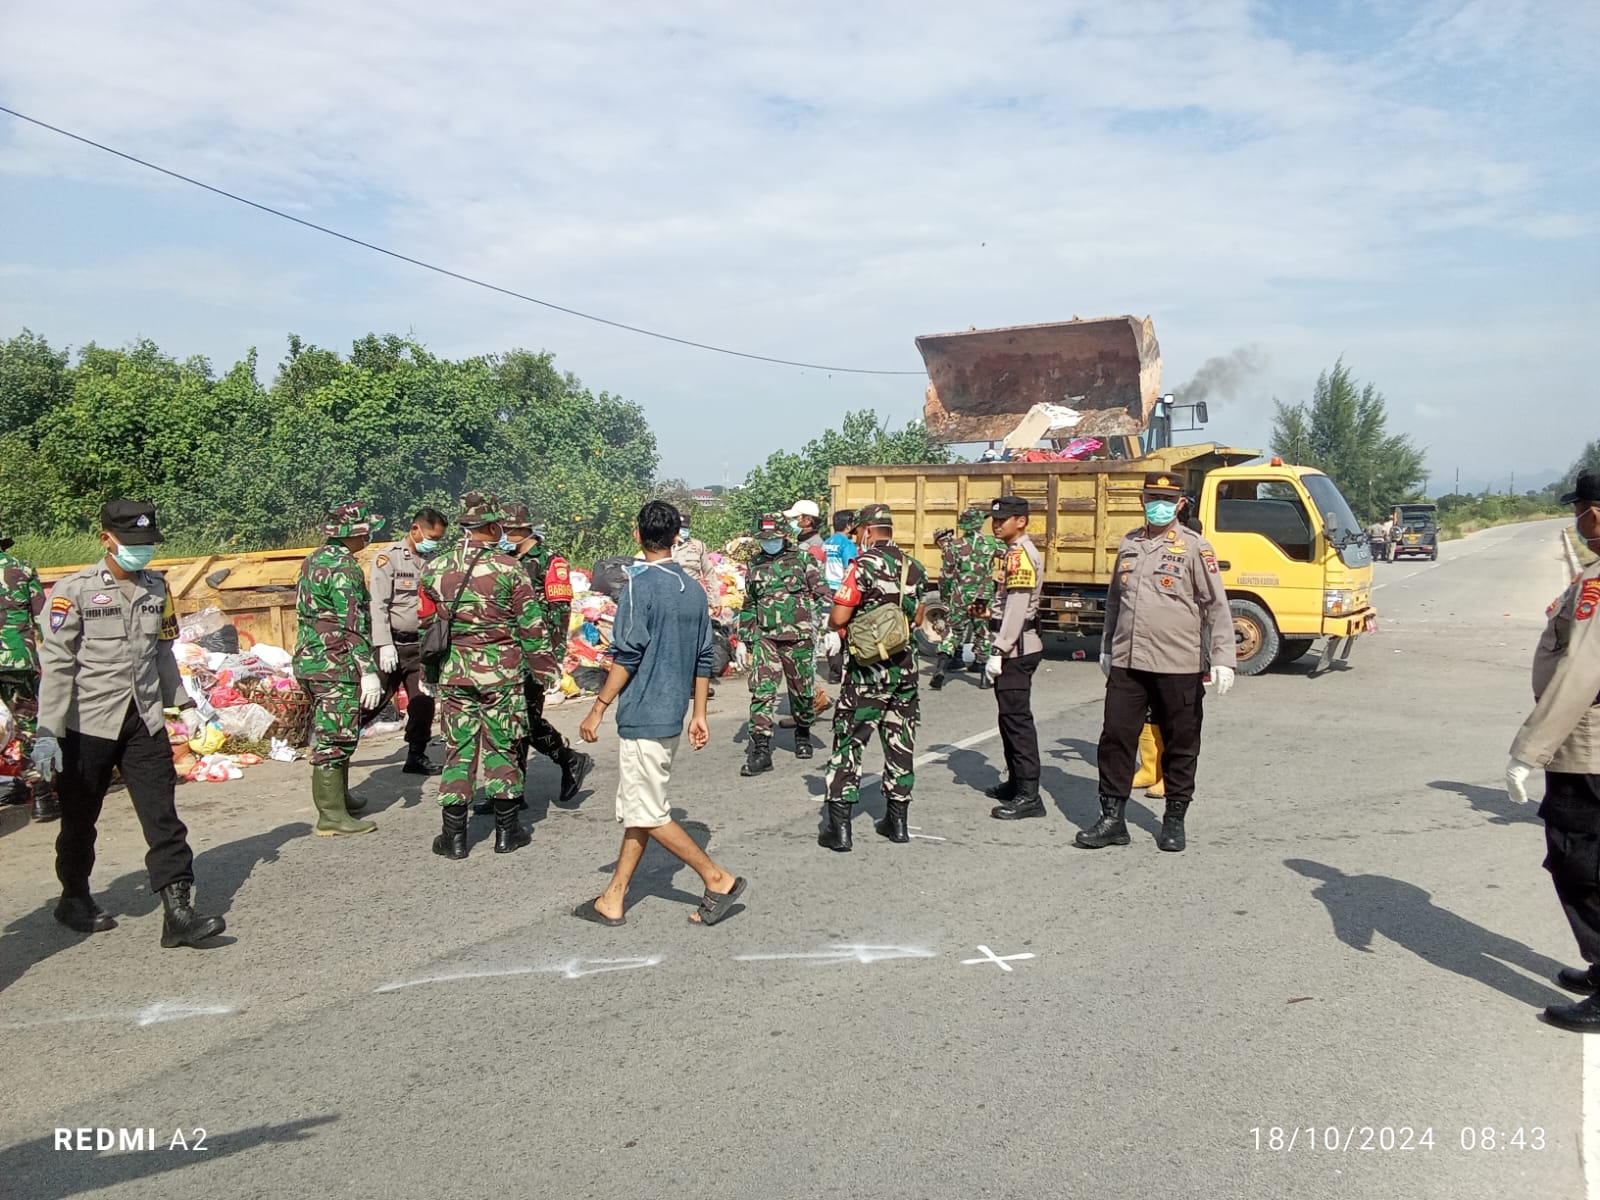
438, 270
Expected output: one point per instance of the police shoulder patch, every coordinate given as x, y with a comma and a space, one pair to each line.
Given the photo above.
381, 561
1588, 598
60, 606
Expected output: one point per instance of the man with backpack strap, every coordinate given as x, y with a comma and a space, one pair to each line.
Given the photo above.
875, 611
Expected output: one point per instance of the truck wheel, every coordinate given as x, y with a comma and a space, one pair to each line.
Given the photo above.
1255, 636
1294, 648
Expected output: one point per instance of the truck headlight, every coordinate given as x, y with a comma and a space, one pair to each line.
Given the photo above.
1337, 601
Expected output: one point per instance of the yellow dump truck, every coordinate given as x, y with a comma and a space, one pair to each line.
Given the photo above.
1294, 560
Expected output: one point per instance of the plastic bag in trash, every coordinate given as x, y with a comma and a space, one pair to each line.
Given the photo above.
8, 725
247, 721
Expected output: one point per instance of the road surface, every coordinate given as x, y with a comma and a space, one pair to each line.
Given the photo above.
1351, 952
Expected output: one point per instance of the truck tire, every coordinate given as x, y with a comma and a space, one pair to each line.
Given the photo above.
1294, 648
1255, 636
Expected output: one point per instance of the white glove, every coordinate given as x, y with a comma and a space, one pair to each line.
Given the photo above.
1517, 773
46, 757
371, 691
1105, 665
993, 665
424, 688
388, 659
1223, 678
741, 655
832, 643
193, 722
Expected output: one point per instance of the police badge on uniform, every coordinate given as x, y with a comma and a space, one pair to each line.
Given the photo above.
59, 608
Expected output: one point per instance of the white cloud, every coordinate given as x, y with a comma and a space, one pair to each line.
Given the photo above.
821, 182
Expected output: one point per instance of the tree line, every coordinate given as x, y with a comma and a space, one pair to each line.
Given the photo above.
233, 464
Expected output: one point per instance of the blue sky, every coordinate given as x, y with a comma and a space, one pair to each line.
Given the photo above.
1410, 186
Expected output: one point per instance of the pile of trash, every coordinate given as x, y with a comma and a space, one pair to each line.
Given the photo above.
247, 694
594, 610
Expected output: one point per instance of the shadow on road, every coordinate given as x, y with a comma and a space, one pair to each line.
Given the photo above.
1079, 798
219, 873
1361, 906
37, 1169
1501, 808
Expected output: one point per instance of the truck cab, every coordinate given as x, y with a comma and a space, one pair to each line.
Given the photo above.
1294, 560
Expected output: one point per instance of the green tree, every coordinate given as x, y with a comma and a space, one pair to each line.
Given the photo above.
1343, 431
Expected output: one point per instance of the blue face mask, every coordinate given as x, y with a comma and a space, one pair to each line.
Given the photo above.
427, 545
133, 558
1161, 512
506, 545
772, 545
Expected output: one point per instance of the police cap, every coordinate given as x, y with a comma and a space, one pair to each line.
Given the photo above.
131, 522
1163, 483
1585, 491
1008, 506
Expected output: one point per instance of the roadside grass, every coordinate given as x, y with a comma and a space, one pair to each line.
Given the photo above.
1450, 531
1585, 555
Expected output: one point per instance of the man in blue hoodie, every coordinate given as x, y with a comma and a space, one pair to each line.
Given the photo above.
661, 664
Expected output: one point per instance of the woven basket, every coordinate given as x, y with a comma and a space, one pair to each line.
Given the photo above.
291, 710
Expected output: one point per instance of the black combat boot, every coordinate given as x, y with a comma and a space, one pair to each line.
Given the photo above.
81, 913
452, 842
1585, 980
509, 833
1171, 835
575, 767
802, 741
1025, 804
835, 833
936, 681
418, 762
1582, 1017
758, 755
46, 805
180, 924
893, 825
1005, 791
17, 793
1109, 830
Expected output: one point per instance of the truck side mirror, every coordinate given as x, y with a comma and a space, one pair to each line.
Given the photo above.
1201, 414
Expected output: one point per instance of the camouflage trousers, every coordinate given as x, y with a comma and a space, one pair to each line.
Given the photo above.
540, 734
793, 664
20, 692
335, 720
481, 728
868, 704
964, 629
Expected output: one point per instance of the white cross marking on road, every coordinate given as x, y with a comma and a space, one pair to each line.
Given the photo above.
1003, 961
912, 830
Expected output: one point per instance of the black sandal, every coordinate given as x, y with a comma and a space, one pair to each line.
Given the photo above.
714, 906
588, 912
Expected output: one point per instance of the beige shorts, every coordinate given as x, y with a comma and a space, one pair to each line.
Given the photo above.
642, 792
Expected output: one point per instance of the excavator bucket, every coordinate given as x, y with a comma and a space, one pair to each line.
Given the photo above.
983, 382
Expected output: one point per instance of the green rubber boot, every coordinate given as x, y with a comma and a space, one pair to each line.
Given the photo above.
353, 804
327, 793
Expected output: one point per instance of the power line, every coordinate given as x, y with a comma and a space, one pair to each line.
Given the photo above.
438, 270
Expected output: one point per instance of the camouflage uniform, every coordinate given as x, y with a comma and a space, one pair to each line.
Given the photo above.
968, 579
497, 634
878, 697
333, 649
21, 603
784, 594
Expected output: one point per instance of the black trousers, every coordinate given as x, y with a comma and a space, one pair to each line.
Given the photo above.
419, 708
1571, 812
1013, 696
542, 736
145, 760
1174, 704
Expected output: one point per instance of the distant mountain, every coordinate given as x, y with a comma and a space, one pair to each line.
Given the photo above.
1473, 482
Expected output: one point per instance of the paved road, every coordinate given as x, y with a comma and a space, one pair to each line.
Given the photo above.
1359, 936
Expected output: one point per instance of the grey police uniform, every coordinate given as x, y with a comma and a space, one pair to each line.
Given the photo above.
395, 579
108, 671
1166, 605
1016, 640
1562, 735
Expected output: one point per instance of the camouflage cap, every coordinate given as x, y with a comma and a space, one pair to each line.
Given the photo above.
971, 518
352, 519
479, 509
516, 515
768, 524
875, 514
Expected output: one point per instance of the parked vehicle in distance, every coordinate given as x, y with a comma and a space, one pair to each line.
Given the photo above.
1416, 532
